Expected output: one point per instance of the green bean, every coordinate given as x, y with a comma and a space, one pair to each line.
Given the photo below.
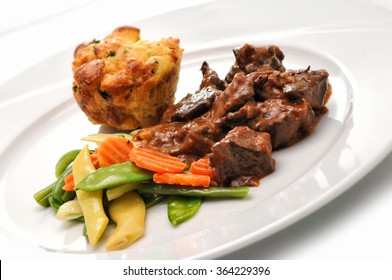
58, 196
234, 192
84, 232
152, 199
54, 190
182, 208
113, 176
80, 219
42, 196
54, 203
64, 161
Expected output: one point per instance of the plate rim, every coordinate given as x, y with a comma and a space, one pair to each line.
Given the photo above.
352, 178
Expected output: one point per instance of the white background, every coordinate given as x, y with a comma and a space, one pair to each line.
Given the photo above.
357, 225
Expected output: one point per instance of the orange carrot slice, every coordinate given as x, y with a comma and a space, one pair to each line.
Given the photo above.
94, 159
156, 161
184, 179
69, 185
114, 149
202, 167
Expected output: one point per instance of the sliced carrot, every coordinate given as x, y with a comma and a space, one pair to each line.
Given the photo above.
202, 167
184, 179
69, 185
114, 149
94, 160
156, 161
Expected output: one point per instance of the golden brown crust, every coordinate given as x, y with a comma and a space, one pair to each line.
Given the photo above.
124, 82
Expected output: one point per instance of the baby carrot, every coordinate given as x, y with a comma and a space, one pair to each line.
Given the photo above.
156, 161
202, 167
184, 179
69, 185
113, 150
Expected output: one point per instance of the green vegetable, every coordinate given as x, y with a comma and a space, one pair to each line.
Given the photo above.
42, 196
54, 203
58, 196
235, 192
152, 199
182, 208
53, 195
65, 161
113, 176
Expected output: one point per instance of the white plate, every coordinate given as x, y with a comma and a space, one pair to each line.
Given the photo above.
351, 39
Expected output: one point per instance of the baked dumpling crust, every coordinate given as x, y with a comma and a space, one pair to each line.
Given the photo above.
124, 82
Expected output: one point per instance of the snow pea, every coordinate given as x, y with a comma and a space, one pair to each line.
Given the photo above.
182, 208
234, 192
113, 176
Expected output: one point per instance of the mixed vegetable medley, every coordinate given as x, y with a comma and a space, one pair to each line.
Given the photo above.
117, 181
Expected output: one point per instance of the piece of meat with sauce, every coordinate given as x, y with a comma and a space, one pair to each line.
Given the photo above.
250, 59
191, 106
286, 122
242, 157
211, 78
294, 85
195, 104
196, 136
236, 94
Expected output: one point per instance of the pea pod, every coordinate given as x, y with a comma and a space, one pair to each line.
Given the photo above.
237, 192
64, 161
182, 208
113, 176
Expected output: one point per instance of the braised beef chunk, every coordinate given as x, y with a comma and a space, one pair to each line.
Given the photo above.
242, 153
293, 85
251, 59
192, 106
211, 78
238, 92
286, 122
197, 137
162, 136
195, 104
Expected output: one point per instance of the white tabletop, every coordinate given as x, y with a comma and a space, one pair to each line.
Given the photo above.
356, 225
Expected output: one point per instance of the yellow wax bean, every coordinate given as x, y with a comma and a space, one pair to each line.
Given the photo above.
116, 192
70, 210
128, 212
91, 202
